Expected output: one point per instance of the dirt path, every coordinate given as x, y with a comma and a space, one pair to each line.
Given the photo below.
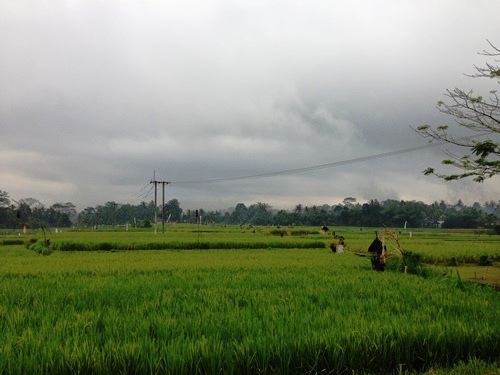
486, 275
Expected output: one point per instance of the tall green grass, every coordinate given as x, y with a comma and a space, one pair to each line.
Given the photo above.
174, 245
435, 246
234, 311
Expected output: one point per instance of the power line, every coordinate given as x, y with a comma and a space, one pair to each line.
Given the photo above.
141, 192
311, 168
145, 194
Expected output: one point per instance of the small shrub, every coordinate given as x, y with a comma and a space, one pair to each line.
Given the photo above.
40, 248
288, 232
453, 262
94, 246
411, 259
484, 261
412, 263
71, 246
277, 232
106, 246
46, 251
300, 232
12, 241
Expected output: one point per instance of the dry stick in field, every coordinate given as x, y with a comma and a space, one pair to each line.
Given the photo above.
397, 246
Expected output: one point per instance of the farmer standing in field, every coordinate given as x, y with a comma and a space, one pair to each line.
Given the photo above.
338, 248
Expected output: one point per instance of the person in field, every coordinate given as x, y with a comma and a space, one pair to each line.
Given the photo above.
333, 247
338, 248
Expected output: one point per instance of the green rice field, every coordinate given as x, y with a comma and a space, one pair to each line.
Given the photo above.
243, 300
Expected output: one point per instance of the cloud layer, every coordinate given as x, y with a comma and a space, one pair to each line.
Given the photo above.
96, 96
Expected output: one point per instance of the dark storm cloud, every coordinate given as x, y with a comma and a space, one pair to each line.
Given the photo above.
98, 95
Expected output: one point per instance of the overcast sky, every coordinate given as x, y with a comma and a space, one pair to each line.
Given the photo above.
96, 96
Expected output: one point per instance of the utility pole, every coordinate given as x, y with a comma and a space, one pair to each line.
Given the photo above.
153, 181
163, 183
163, 206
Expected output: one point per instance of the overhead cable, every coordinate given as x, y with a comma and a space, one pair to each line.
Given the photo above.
311, 168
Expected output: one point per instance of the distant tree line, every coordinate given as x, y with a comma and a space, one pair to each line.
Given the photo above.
392, 213
32, 213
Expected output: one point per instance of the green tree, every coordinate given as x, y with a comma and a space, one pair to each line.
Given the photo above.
88, 217
465, 218
4, 199
31, 212
392, 214
492, 207
260, 214
372, 214
479, 114
240, 214
414, 213
297, 214
7, 212
173, 208
64, 214
283, 217
213, 217
126, 213
145, 210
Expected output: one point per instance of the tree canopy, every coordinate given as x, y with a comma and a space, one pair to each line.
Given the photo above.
481, 115
31, 213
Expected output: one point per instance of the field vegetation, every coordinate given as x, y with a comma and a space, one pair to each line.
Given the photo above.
236, 306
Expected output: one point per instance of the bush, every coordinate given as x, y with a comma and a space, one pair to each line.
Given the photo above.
484, 260
12, 241
453, 261
412, 263
94, 246
40, 247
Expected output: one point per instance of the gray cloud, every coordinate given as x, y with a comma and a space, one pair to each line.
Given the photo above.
97, 95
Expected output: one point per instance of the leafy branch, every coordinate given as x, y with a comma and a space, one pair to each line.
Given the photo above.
478, 114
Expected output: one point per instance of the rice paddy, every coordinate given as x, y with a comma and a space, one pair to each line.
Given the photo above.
236, 306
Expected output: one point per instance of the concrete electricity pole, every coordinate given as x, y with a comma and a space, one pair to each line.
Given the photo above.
163, 183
